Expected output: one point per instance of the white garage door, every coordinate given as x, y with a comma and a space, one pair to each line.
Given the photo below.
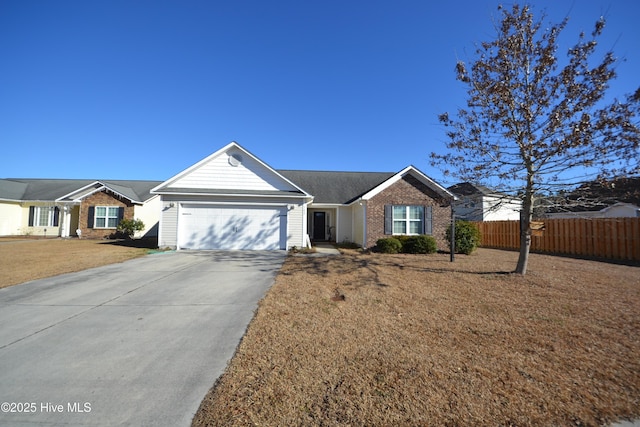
237, 227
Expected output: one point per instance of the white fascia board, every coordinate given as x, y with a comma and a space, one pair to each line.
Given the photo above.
100, 187
284, 196
70, 195
232, 144
416, 173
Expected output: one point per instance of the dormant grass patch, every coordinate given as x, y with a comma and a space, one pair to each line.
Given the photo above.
379, 340
30, 259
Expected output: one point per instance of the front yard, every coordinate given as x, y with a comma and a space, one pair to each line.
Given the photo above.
372, 339
22, 260
415, 340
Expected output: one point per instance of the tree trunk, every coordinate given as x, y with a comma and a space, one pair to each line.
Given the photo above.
525, 243
525, 231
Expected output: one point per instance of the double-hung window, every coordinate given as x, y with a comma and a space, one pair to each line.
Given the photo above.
106, 216
408, 219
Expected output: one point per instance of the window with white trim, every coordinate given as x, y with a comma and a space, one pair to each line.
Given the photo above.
408, 219
43, 216
106, 216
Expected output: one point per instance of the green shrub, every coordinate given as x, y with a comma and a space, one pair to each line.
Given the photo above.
389, 245
128, 227
467, 237
421, 244
348, 245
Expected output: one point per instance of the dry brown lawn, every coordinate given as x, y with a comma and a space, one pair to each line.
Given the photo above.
386, 340
22, 260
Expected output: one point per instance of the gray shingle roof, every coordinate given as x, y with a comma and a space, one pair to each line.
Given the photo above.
53, 189
335, 187
468, 189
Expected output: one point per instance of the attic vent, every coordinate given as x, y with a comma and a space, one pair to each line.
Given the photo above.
235, 159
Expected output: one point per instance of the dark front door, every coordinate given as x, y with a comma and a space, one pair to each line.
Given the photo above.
319, 225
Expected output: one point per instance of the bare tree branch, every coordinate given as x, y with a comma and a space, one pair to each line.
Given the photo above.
537, 125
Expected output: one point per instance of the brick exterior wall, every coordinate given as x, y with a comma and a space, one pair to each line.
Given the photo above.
408, 191
102, 198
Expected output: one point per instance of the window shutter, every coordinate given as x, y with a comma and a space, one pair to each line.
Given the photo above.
56, 216
120, 214
428, 219
388, 219
90, 217
32, 214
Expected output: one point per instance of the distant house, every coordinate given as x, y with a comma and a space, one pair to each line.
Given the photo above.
619, 198
618, 210
479, 203
68, 207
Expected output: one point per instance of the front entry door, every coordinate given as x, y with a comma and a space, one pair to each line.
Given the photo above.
319, 225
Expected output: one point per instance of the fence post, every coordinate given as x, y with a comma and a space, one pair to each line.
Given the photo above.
452, 243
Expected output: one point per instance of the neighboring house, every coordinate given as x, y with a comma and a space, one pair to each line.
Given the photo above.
233, 200
61, 207
618, 198
479, 203
617, 210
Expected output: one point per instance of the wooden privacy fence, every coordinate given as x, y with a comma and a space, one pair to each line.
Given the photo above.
611, 238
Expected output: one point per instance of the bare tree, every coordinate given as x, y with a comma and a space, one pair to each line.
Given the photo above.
533, 125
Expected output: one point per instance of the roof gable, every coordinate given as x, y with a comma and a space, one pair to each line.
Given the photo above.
410, 170
228, 169
61, 190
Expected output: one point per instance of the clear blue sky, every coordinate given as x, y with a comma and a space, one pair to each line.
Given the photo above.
144, 89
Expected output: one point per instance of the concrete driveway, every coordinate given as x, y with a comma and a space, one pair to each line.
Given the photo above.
137, 343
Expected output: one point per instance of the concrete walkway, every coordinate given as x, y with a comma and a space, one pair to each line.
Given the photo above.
325, 249
137, 344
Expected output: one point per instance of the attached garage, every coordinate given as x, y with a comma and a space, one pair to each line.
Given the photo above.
204, 226
231, 200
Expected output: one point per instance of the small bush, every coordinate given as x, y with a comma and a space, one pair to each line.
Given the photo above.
348, 245
421, 244
467, 237
128, 227
389, 245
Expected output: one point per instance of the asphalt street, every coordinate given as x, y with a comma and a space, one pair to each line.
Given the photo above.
137, 343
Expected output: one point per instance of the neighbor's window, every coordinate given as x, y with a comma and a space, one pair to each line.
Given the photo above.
106, 217
408, 219
42, 216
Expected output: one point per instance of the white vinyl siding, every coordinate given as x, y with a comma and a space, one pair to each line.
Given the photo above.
295, 225
220, 174
168, 227
11, 219
344, 227
149, 214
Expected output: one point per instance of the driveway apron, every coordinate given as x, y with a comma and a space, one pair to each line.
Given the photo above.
136, 343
